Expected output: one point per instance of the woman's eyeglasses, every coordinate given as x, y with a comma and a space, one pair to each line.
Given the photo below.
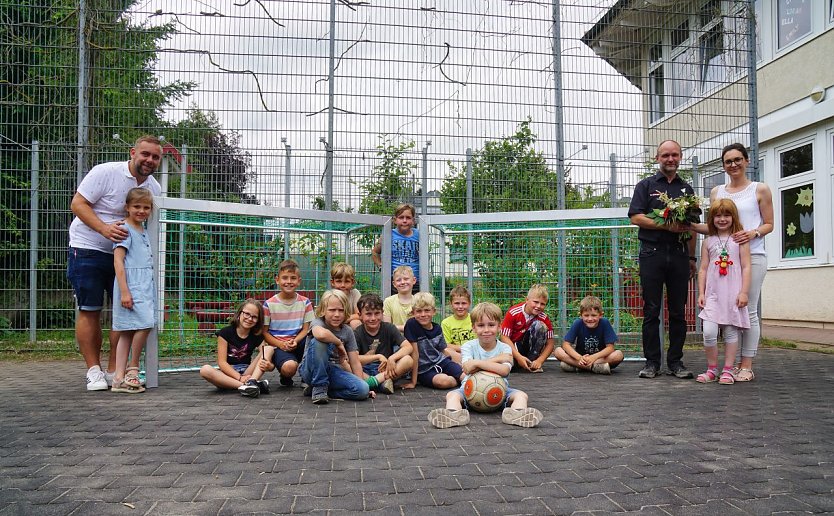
734, 161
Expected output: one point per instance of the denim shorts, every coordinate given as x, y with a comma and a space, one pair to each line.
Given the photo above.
504, 403
90, 273
445, 366
371, 369
240, 368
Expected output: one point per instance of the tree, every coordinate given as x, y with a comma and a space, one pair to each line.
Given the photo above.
220, 169
393, 180
508, 175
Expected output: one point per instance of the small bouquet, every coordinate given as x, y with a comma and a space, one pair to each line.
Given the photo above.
683, 210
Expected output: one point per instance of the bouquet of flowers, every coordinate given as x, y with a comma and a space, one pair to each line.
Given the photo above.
683, 210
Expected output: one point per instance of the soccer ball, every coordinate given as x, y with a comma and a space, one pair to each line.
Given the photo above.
485, 391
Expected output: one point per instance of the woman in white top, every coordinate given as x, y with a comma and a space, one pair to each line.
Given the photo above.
755, 207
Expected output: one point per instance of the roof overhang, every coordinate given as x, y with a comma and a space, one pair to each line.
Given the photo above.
621, 36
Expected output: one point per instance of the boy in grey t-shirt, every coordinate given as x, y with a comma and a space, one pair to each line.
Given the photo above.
331, 366
383, 351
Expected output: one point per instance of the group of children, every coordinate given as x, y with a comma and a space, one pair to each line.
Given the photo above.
352, 346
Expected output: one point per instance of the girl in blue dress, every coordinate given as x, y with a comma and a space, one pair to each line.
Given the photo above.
134, 293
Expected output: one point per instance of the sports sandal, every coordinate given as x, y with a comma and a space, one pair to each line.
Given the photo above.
744, 375
132, 377
711, 375
726, 377
124, 386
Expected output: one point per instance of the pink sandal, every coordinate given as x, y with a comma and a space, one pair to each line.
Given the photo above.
727, 377
709, 376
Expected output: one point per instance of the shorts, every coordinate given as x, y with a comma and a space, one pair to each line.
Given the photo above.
445, 366
280, 357
371, 369
90, 273
240, 368
510, 392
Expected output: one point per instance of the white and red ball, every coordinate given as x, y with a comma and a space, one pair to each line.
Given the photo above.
485, 391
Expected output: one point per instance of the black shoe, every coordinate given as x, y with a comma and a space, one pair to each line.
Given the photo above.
650, 371
308, 391
285, 381
319, 395
680, 371
263, 385
250, 389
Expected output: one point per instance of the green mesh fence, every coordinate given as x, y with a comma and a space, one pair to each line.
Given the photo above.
599, 258
214, 261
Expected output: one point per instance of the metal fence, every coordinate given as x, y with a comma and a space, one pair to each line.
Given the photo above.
352, 106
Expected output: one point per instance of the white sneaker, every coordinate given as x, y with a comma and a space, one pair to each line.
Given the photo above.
108, 377
601, 368
525, 418
96, 380
446, 418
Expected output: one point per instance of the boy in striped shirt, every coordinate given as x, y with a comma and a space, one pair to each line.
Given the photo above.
287, 318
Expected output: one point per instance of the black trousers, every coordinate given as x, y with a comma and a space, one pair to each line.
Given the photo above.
664, 265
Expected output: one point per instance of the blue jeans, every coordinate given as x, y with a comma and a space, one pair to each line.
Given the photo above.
317, 370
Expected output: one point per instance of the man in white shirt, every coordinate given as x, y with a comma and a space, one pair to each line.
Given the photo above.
99, 209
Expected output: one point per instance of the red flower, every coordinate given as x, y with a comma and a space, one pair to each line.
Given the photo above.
666, 213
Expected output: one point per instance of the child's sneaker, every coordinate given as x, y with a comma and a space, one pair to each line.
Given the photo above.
567, 367
263, 386
387, 387
250, 389
96, 380
601, 368
319, 395
447, 418
526, 417
285, 381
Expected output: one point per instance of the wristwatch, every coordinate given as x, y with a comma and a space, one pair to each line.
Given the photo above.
758, 235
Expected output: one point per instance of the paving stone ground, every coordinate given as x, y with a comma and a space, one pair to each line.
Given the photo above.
607, 445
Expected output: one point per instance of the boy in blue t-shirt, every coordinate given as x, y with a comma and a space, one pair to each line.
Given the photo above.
589, 344
486, 353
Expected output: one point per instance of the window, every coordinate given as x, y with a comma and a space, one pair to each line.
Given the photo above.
794, 20
797, 161
711, 180
681, 69
798, 221
713, 62
657, 101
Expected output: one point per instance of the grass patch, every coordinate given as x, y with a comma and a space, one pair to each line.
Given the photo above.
778, 343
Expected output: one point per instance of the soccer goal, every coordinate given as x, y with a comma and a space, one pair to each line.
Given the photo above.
210, 256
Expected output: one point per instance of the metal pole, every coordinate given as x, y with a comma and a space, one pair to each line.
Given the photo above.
560, 157
752, 95
425, 183
160, 298
470, 259
33, 243
615, 244
425, 280
181, 256
442, 273
328, 170
385, 273
83, 91
152, 344
696, 180
287, 170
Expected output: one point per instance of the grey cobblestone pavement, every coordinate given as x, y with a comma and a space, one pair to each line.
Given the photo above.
607, 444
